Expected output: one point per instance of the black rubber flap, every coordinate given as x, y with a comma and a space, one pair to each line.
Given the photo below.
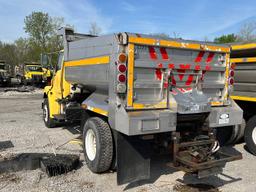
133, 159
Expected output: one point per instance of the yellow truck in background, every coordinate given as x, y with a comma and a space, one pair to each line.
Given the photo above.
35, 74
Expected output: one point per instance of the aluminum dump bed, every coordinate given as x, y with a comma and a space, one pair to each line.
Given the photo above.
174, 75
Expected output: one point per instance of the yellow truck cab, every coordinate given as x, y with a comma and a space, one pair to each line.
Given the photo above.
34, 74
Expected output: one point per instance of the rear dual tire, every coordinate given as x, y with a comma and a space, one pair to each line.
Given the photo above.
98, 145
250, 135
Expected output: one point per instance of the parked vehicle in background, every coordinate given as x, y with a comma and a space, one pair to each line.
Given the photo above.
243, 59
133, 93
5, 77
34, 74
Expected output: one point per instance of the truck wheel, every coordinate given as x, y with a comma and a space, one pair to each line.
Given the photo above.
250, 135
48, 121
98, 145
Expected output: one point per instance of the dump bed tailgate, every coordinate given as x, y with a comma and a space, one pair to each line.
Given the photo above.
158, 67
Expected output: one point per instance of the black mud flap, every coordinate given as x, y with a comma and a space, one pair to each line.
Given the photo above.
133, 159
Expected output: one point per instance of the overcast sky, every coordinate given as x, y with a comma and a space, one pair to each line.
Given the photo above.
191, 19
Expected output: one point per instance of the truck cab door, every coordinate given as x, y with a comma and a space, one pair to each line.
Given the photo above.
55, 91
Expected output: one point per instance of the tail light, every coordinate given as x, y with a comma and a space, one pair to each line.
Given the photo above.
121, 68
121, 78
231, 74
231, 81
121, 75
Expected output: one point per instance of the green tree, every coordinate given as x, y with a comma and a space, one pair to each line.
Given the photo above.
39, 27
42, 30
229, 38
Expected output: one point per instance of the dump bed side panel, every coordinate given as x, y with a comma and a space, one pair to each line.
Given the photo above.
88, 61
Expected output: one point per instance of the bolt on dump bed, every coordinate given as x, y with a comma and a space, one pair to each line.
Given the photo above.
133, 92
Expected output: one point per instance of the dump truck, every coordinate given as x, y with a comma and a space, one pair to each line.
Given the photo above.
135, 93
243, 59
35, 74
5, 77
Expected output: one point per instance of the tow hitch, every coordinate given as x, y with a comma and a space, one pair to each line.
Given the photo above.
202, 156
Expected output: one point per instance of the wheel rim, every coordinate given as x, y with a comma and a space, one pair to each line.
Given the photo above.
254, 135
45, 113
90, 144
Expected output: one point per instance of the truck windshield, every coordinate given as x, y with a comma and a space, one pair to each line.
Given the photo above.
35, 68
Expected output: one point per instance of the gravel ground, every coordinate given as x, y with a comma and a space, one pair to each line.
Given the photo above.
21, 123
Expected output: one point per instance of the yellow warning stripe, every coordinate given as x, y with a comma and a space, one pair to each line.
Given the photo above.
166, 43
244, 46
243, 60
130, 75
88, 61
97, 110
243, 98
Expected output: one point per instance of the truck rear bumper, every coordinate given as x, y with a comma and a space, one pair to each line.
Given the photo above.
158, 121
145, 122
226, 116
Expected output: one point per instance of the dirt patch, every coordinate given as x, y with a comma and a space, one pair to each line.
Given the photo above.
87, 185
11, 177
200, 187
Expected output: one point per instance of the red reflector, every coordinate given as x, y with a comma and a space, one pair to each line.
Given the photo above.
233, 65
231, 73
121, 68
231, 81
121, 78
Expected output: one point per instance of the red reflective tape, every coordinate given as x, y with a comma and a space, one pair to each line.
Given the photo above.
158, 74
173, 81
164, 53
152, 53
199, 56
171, 66
189, 89
208, 68
181, 90
174, 92
197, 67
210, 57
165, 85
160, 65
185, 66
181, 73
190, 80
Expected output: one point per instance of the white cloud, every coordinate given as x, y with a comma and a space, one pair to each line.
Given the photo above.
79, 13
128, 6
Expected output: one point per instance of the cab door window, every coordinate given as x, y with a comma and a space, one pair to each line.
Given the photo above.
60, 61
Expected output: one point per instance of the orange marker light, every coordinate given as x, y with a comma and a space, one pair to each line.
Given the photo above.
122, 58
